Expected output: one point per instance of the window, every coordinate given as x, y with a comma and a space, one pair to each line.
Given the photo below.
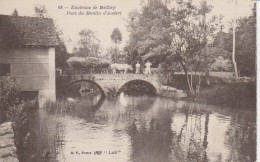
4, 69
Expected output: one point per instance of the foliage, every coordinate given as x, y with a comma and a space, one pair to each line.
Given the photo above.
223, 40
148, 31
191, 39
221, 64
173, 35
234, 95
11, 102
116, 36
245, 46
121, 56
40, 11
61, 54
19, 114
133, 57
15, 12
218, 59
8, 92
88, 62
88, 44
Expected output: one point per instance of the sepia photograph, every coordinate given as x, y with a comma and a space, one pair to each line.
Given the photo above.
128, 80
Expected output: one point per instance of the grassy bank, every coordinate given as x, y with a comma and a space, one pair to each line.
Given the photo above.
233, 95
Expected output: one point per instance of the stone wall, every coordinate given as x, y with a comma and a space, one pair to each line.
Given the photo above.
107, 82
7, 146
114, 81
117, 81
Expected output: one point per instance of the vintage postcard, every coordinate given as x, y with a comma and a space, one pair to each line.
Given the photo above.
128, 81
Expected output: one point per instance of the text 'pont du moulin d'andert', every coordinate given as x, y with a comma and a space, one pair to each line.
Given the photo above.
91, 10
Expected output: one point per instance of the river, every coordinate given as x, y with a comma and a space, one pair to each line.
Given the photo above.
141, 129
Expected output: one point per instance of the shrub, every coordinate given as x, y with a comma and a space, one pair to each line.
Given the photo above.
88, 62
18, 113
8, 92
11, 103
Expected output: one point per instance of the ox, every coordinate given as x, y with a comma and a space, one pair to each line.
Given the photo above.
120, 67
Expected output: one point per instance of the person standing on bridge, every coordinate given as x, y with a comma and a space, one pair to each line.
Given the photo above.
137, 68
148, 67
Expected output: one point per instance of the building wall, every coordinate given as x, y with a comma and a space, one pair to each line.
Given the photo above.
33, 69
29, 66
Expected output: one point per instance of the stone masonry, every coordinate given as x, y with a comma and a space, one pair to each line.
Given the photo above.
116, 81
7, 146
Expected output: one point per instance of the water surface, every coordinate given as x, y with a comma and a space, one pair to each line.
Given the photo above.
142, 129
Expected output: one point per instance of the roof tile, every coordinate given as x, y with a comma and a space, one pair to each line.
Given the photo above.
26, 31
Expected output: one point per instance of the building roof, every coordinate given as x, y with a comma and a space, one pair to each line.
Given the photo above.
26, 31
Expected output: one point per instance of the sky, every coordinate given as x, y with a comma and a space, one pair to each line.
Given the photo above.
103, 25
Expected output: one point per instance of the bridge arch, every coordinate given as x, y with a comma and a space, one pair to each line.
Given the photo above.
138, 85
112, 83
86, 81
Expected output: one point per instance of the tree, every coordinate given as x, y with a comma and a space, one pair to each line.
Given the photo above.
40, 11
149, 35
234, 43
121, 55
88, 44
15, 12
116, 37
61, 54
193, 33
245, 44
203, 10
186, 38
173, 36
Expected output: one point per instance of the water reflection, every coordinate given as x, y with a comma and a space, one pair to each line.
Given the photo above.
41, 140
145, 129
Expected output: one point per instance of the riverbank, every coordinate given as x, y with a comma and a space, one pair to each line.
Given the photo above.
234, 95
240, 95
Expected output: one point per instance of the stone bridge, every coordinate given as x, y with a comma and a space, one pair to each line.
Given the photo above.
107, 82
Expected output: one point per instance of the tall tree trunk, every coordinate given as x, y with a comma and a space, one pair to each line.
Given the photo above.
186, 72
234, 44
205, 52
